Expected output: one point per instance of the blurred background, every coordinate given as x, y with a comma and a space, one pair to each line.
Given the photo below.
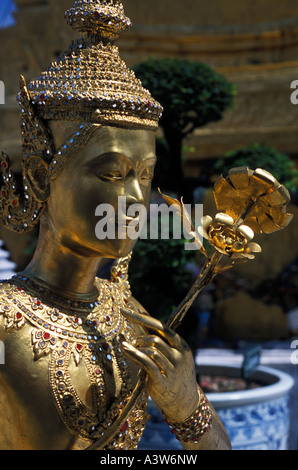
227, 67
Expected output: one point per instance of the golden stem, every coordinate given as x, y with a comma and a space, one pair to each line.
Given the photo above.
204, 279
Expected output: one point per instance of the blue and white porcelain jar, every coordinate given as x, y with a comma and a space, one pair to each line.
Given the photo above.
257, 419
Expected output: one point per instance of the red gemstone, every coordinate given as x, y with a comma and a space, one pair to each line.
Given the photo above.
42, 97
79, 347
149, 103
19, 288
108, 319
19, 315
3, 193
38, 302
124, 427
46, 335
3, 164
14, 202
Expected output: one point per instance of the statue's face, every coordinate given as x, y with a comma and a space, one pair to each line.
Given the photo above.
115, 162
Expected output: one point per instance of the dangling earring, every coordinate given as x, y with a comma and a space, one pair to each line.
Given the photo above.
21, 212
119, 270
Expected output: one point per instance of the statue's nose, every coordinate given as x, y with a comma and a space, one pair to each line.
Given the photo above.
134, 194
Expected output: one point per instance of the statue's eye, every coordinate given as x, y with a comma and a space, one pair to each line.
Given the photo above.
147, 175
112, 176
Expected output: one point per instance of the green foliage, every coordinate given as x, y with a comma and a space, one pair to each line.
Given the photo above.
261, 156
192, 93
158, 275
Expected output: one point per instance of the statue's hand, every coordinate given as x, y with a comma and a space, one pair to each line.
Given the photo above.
168, 362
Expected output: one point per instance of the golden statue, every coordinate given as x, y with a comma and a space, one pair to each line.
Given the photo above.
75, 344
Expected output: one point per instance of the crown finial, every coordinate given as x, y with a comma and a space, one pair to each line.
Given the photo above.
105, 19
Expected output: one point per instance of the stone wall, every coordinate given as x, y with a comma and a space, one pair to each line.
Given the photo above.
254, 44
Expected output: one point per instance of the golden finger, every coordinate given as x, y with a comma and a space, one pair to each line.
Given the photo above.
143, 360
150, 323
158, 343
165, 366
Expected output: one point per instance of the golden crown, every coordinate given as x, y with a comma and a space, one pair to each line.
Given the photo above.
90, 82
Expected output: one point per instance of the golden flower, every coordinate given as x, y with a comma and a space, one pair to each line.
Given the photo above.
256, 197
228, 240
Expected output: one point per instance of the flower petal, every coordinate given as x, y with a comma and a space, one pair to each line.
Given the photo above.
247, 232
240, 177
225, 219
180, 209
277, 198
254, 247
206, 221
256, 197
243, 256
220, 250
197, 239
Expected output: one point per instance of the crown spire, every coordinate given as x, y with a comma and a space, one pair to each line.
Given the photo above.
104, 19
90, 82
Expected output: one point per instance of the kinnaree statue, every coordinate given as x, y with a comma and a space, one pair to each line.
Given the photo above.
75, 344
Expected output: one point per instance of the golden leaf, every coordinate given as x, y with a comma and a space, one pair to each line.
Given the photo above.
189, 228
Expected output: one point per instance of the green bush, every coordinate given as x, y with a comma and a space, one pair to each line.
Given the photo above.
192, 95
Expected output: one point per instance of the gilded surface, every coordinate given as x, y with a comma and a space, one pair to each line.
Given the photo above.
75, 345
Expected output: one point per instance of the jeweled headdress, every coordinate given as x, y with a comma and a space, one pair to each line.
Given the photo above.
89, 84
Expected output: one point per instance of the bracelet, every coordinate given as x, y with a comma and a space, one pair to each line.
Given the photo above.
195, 426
